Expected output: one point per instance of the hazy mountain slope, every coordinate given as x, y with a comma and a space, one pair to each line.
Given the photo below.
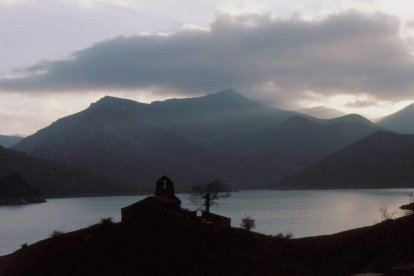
322, 112
14, 190
401, 121
206, 120
351, 118
383, 159
220, 135
217, 119
56, 179
8, 141
284, 149
137, 142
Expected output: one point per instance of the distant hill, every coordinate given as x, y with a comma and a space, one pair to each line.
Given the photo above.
8, 141
56, 179
401, 121
351, 118
322, 112
15, 190
284, 149
192, 140
382, 160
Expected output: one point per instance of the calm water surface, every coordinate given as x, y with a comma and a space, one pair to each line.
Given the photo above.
302, 213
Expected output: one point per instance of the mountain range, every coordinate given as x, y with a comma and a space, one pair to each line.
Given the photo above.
222, 135
381, 160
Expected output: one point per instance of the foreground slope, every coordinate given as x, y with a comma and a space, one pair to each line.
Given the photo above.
116, 249
56, 179
192, 140
381, 160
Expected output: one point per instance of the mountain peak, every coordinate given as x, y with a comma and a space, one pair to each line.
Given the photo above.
322, 112
114, 102
224, 98
111, 99
351, 118
229, 95
228, 92
408, 110
409, 107
400, 121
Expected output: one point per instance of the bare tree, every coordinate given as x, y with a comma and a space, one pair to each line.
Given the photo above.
386, 214
247, 223
207, 195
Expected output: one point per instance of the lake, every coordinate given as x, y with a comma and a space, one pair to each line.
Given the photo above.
302, 213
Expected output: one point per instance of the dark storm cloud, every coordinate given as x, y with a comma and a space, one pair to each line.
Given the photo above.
348, 53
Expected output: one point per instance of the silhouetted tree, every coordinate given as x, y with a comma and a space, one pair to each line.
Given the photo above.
247, 223
107, 221
207, 195
386, 214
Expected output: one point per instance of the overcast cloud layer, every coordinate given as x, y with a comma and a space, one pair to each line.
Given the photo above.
346, 53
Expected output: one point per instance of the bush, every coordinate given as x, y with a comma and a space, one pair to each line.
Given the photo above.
247, 223
56, 233
286, 236
24, 245
107, 221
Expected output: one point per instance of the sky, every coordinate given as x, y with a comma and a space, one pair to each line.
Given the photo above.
59, 56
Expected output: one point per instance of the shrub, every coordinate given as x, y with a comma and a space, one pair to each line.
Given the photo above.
247, 223
56, 233
24, 245
106, 221
286, 236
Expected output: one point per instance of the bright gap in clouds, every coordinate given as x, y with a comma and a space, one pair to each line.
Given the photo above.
372, 109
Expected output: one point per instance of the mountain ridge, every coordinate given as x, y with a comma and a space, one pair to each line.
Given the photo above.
381, 160
400, 121
322, 112
57, 179
191, 140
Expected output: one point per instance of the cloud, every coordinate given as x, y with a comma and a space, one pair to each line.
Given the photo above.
361, 103
283, 60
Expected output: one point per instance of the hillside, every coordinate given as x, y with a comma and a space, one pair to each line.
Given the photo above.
56, 179
401, 121
192, 140
14, 190
381, 160
295, 143
117, 249
8, 141
322, 112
